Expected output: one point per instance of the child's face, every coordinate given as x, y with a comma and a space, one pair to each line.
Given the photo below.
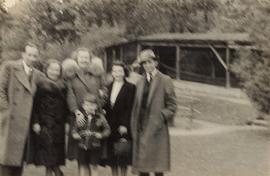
89, 107
68, 73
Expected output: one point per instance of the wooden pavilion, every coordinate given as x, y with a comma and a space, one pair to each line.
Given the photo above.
200, 57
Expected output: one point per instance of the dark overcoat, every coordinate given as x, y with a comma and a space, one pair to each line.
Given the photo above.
16, 99
50, 111
151, 147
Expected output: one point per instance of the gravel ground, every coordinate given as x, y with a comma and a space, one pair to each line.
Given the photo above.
236, 153
242, 152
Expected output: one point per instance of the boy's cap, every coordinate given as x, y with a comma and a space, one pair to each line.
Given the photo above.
146, 55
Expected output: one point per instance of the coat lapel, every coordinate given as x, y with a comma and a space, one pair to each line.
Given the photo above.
120, 93
82, 78
140, 88
153, 87
110, 90
33, 82
22, 77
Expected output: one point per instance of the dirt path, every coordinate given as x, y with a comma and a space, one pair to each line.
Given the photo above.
208, 150
209, 128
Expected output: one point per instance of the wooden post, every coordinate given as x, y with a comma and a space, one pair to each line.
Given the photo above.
121, 53
113, 54
1, 44
225, 65
228, 79
105, 60
177, 62
139, 48
213, 70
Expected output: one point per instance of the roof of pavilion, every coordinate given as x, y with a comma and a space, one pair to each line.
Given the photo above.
235, 38
241, 37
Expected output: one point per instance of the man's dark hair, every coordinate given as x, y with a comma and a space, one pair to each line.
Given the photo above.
30, 44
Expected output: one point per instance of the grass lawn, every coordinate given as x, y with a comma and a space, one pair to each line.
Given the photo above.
215, 104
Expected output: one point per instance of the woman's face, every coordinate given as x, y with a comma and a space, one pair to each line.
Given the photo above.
118, 72
54, 71
83, 59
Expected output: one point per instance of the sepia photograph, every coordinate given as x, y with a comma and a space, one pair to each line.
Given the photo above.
134, 87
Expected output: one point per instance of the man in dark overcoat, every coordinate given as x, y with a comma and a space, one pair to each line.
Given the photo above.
155, 104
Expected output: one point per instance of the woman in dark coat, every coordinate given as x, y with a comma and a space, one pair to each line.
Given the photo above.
118, 113
50, 112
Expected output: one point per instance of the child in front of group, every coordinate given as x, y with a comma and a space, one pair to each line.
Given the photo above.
90, 136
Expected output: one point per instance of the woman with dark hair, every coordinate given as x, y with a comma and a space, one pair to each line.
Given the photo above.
49, 116
118, 112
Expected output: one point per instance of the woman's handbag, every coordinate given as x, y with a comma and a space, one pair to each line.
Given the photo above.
122, 147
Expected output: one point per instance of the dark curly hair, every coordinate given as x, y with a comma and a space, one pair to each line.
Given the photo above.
123, 65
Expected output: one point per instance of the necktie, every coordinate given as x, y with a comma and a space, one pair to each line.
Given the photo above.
150, 78
30, 75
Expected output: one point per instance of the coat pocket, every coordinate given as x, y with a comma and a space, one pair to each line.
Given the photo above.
4, 115
158, 124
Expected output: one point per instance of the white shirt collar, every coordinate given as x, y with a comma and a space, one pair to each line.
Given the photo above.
116, 87
153, 74
27, 69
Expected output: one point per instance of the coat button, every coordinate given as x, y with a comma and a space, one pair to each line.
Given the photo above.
12, 117
15, 103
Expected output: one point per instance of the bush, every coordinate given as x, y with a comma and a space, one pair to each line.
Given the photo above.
253, 69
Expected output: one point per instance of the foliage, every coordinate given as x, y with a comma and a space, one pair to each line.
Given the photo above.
253, 67
58, 27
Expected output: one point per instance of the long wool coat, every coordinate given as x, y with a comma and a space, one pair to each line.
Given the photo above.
50, 111
151, 147
78, 87
16, 98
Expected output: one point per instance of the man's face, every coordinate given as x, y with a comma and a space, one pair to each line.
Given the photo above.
149, 65
30, 55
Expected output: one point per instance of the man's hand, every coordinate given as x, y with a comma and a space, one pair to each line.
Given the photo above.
36, 128
98, 135
101, 92
86, 133
79, 118
76, 136
122, 130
